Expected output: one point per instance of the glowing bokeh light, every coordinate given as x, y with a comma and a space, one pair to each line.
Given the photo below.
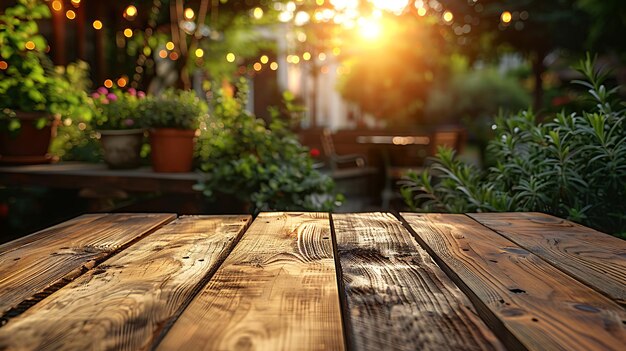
169, 45
273, 66
57, 5
199, 52
108, 83
189, 14
121, 82
30, 45
264, 59
230, 57
128, 32
97, 25
448, 16
130, 12
506, 17
257, 66
70, 14
394, 6
257, 13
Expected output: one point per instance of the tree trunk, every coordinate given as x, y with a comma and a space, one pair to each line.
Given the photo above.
538, 70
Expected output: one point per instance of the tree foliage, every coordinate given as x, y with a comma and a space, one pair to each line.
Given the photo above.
573, 166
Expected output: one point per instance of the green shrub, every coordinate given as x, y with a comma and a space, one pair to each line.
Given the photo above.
262, 165
573, 166
173, 109
30, 83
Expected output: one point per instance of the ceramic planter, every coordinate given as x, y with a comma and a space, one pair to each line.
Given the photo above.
121, 148
172, 149
29, 145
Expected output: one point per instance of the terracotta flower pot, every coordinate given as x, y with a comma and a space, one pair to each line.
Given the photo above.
172, 149
29, 145
121, 147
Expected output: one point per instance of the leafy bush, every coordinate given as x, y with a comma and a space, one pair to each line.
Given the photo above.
262, 165
173, 109
30, 83
573, 166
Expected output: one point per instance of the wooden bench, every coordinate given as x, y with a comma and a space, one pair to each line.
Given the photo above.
314, 281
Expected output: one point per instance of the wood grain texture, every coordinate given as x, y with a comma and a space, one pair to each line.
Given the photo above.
528, 302
398, 298
595, 258
124, 303
277, 290
40, 263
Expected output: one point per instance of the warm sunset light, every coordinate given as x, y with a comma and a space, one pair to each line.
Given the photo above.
506, 17
97, 25
395, 6
369, 29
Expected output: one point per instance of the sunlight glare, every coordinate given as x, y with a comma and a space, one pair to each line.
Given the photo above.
369, 29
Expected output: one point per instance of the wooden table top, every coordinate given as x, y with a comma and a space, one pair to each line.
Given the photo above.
314, 281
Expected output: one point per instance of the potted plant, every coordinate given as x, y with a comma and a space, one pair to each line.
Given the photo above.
172, 119
262, 167
33, 97
116, 121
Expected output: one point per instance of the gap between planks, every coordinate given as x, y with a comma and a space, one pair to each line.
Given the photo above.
554, 311
127, 301
41, 263
396, 297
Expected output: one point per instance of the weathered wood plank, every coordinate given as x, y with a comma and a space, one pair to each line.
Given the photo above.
36, 265
595, 258
528, 302
276, 291
125, 302
397, 297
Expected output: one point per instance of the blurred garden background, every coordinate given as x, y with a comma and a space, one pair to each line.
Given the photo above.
342, 105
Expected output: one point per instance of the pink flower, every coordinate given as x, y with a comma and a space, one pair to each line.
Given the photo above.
103, 90
129, 122
111, 97
132, 91
95, 95
141, 94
